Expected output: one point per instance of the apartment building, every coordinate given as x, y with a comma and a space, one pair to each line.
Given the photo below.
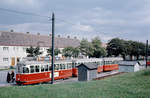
13, 45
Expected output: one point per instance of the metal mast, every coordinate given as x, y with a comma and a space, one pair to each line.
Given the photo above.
53, 27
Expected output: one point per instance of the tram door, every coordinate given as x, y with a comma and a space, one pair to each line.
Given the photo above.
13, 61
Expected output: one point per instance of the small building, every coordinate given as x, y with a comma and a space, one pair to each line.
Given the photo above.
129, 66
142, 64
87, 71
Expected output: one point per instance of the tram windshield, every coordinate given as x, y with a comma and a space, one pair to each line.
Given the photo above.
25, 70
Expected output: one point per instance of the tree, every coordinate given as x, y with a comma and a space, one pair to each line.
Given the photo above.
86, 48
126, 48
98, 50
71, 52
56, 51
75, 52
33, 52
67, 52
116, 47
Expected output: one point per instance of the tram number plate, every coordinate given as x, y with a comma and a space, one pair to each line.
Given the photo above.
56, 74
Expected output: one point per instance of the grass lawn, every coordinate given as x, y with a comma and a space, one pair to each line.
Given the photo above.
128, 85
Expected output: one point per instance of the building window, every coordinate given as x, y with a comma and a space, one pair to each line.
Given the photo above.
5, 59
5, 48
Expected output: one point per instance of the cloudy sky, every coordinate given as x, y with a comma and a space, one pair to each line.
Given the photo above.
127, 19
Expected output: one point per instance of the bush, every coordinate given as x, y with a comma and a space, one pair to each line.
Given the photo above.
146, 73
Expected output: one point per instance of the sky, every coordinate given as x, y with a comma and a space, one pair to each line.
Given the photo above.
107, 19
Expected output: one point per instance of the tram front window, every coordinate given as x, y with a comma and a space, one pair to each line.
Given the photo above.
32, 69
25, 70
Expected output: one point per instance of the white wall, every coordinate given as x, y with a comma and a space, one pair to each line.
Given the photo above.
136, 67
13, 51
16, 52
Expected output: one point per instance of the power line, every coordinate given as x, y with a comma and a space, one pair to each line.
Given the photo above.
24, 13
33, 14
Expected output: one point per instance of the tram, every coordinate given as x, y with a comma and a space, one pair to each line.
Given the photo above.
32, 72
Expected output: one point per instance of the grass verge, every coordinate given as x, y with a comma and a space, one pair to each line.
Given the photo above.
128, 85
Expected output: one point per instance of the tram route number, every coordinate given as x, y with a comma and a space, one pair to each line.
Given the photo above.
56, 74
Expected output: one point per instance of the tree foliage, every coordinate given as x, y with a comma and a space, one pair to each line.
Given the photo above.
116, 47
56, 51
92, 49
97, 49
71, 52
86, 47
33, 52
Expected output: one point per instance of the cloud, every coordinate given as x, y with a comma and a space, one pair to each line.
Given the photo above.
131, 18
82, 28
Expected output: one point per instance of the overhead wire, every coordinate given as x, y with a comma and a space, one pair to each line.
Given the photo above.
20, 12
34, 14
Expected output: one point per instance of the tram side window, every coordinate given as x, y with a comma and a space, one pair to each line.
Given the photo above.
63, 66
70, 66
37, 69
50, 67
42, 68
57, 67
31, 69
25, 70
46, 67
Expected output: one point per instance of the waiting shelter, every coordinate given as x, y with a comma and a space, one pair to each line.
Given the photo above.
87, 71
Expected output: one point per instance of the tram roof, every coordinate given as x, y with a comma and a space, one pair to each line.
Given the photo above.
41, 62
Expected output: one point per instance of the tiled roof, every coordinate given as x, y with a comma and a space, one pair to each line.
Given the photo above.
22, 39
90, 66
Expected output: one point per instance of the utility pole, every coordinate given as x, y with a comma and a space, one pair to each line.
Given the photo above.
53, 27
146, 53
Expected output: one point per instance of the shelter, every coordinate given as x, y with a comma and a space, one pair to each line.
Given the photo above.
87, 71
129, 66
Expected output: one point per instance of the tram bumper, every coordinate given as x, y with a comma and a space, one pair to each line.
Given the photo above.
21, 82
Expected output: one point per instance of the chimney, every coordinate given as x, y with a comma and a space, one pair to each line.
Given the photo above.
58, 35
38, 33
68, 36
27, 32
11, 30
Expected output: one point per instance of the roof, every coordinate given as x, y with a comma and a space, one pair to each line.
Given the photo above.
143, 63
128, 63
22, 39
89, 66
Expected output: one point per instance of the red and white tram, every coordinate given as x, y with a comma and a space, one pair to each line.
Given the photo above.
32, 72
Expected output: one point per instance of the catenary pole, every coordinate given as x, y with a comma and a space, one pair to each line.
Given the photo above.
146, 52
53, 27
